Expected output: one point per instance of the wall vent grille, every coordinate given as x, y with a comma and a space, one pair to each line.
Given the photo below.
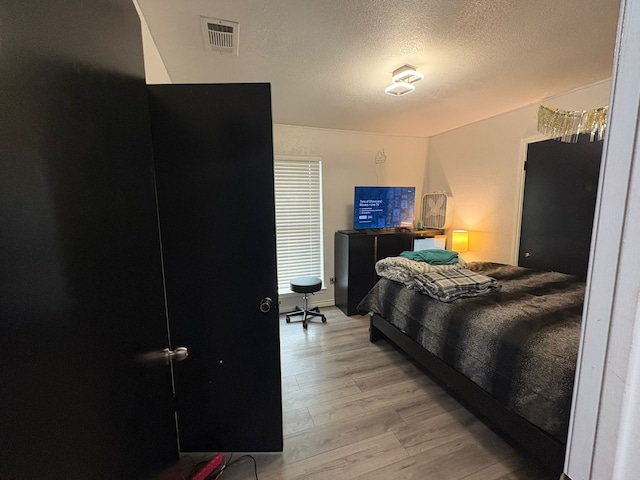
437, 209
220, 35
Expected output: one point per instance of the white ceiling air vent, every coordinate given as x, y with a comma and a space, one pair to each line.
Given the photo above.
437, 209
220, 35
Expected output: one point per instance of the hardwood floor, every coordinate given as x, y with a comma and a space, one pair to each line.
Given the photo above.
356, 410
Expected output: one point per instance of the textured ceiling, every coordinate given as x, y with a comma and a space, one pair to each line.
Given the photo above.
328, 61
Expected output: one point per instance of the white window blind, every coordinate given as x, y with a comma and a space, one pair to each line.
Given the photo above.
298, 192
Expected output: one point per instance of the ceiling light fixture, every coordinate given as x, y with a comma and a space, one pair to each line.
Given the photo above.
403, 79
398, 89
406, 74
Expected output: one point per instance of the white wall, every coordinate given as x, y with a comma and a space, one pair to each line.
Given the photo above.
348, 159
481, 165
154, 68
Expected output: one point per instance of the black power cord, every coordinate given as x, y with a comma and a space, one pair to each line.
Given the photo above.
233, 462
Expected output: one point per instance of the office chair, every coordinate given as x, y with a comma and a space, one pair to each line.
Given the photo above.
305, 285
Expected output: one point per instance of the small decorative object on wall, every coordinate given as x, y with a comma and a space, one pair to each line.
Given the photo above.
381, 157
566, 126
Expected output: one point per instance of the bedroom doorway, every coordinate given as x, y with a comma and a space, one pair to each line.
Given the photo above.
560, 187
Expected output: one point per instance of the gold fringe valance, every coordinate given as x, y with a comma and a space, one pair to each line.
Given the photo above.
566, 126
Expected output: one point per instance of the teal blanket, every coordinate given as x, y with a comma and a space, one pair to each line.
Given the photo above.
432, 256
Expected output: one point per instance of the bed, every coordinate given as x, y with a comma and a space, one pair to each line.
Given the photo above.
510, 355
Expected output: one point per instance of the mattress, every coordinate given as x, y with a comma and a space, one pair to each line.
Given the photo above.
519, 344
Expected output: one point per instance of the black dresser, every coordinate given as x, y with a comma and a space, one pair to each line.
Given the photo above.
356, 253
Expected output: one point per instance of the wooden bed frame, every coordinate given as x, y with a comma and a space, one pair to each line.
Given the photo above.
549, 451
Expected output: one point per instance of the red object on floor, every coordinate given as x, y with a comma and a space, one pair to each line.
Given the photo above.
205, 471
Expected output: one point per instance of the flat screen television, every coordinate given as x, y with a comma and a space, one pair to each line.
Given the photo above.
383, 207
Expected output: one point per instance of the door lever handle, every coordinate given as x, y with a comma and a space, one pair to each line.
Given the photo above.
265, 304
178, 355
163, 356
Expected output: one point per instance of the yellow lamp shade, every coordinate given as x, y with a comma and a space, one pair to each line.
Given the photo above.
460, 241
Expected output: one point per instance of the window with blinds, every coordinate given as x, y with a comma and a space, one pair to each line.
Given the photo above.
298, 192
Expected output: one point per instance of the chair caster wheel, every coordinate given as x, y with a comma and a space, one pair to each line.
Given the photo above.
288, 319
324, 320
304, 325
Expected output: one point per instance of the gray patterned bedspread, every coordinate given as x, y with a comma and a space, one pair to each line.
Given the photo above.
519, 344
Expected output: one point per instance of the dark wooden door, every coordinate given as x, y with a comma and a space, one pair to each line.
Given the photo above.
559, 202
81, 292
214, 168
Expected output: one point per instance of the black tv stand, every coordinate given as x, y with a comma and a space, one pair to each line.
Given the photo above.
356, 254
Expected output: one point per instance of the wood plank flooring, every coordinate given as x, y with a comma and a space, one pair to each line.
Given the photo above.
356, 410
